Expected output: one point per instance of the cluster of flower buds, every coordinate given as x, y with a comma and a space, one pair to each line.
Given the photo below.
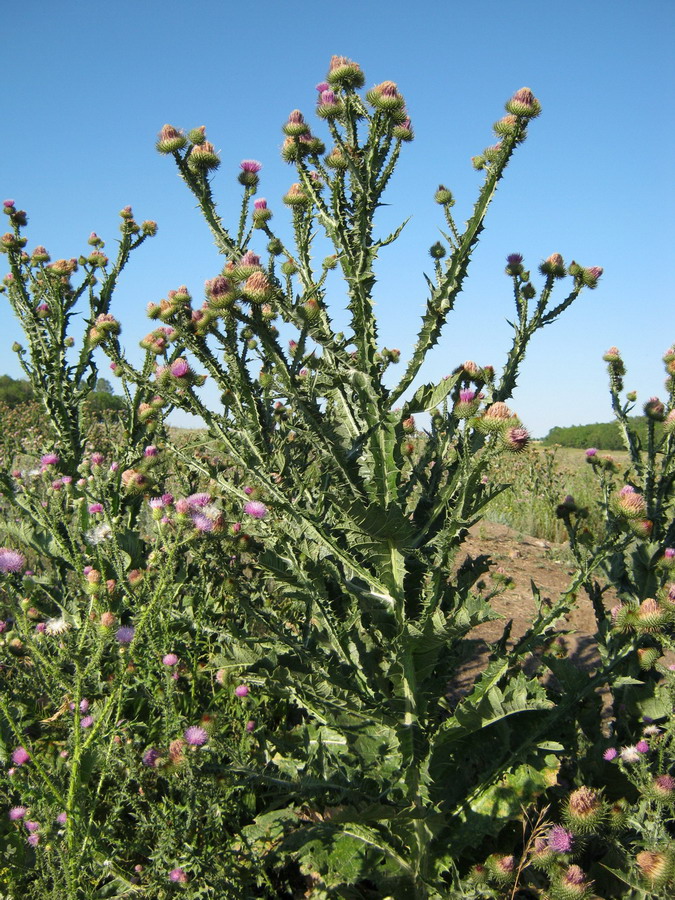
607, 463
103, 327
17, 217
178, 303
585, 276
511, 129
158, 340
299, 142
177, 374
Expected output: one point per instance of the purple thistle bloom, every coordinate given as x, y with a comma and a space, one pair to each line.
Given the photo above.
199, 500
11, 561
8, 204
591, 452
50, 459
156, 503
610, 754
95, 508
514, 259
642, 747
179, 368
669, 552
202, 523
195, 736
150, 757
87, 722
16, 813
33, 839
260, 203
178, 876
241, 690
97, 459
62, 818
322, 86
32, 827
20, 756
467, 396
125, 634
150, 451
256, 509
250, 165
170, 659
250, 726
560, 840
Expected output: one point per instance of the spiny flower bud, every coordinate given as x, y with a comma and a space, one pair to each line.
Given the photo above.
516, 439
247, 265
570, 885
496, 418
261, 214
467, 404
663, 788
296, 125
584, 811
385, 97
650, 616
502, 868
337, 160
249, 172
523, 104
39, 255
506, 126
641, 527
257, 288
203, 157
170, 140
310, 310
437, 250
553, 265
648, 657
656, 867
514, 264
629, 503
403, 131
197, 135
443, 196
669, 424
329, 106
591, 276
344, 73
296, 197
655, 410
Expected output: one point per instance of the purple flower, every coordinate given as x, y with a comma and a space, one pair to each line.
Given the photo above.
241, 690
610, 754
125, 634
591, 452
49, 459
8, 204
260, 203
560, 840
20, 756
199, 500
32, 827
669, 552
642, 746
178, 876
62, 818
250, 726
95, 508
150, 757
202, 522
250, 165
150, 451
170, 659
33, 839
87, 722
322, 86
256, 509
11, 560
179, 368
16, 813
195, 736
97, 459
514, 259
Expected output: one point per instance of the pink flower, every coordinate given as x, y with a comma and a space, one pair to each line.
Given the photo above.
256, 509
241, 690
610, 754
95, 508
178, 876
16, 813
195, 736
179, 368
20, 756
11, 561
49, 459
170, 659
250, 165
642, 746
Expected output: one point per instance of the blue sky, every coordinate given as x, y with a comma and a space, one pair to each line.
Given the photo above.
88, 85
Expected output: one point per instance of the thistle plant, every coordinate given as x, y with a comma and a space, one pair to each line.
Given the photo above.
355, 514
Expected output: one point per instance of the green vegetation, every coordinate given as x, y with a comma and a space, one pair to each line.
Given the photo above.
601, 435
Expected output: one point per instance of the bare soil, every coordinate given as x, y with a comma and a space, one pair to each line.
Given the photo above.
524, 560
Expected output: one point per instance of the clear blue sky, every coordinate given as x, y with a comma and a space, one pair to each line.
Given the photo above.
88, 85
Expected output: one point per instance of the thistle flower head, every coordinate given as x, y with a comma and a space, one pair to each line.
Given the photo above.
125, 634
584, 810
196, 736
178, 876
170, 139
16, 813
560, 840
345, 73
11, 561
516, 439
20, 756
256, 509
523, 104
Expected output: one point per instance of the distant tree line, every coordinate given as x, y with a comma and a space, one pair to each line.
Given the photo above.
601, 435
14, 391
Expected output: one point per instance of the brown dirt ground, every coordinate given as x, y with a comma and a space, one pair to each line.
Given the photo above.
524, 559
